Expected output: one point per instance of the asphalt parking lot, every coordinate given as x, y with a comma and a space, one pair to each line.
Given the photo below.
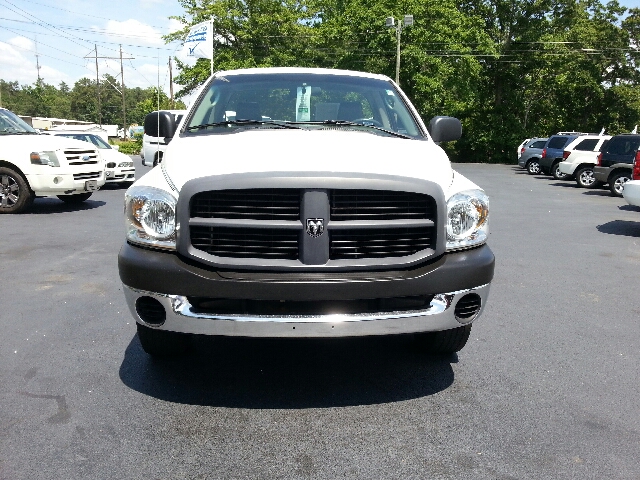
546, 388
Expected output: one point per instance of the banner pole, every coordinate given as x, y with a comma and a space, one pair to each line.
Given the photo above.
212, 45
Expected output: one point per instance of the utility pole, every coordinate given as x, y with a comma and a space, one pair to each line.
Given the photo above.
37, 61
124, 107
98, 88
406, 22
171, 83
124, 113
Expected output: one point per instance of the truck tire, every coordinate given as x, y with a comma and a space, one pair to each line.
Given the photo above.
533, 167
444, 342
585, 178
15, 195
161, 343
617, 181
76, 198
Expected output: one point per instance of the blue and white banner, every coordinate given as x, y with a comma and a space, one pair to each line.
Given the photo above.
199, 42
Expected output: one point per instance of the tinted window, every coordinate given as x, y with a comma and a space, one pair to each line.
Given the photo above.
588, 144
603, 147
538, 144
558, 142
623, 145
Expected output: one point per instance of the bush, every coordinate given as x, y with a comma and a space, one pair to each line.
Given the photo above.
129, 147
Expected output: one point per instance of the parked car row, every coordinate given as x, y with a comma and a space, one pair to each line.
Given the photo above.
592, 160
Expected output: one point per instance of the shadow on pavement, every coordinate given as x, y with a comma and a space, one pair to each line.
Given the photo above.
289, 373
621, 227
49, 205
629, 208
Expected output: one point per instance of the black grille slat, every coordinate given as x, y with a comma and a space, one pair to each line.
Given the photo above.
256, 204
379, 243
246, 243
86, 176
380, 205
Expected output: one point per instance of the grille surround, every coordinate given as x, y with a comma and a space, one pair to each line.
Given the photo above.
311, 186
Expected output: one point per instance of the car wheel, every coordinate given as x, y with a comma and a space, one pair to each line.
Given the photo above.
76, 198
533, 167
617, 181
557, 174
15, 195
161, 343
444, 342
585, 178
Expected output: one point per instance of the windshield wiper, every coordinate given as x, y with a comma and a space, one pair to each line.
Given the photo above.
349, 123
242, 123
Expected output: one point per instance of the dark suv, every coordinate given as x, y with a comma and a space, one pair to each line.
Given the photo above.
615, 162
552, 154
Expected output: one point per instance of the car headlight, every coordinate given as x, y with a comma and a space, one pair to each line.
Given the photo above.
150, 217
467, 219
44, 158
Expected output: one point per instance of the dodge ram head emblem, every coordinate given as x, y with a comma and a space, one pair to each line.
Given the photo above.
315, 226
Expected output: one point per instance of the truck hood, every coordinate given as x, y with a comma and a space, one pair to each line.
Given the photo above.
338, 151
39, 143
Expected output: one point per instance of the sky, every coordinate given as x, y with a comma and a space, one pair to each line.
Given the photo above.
64, 36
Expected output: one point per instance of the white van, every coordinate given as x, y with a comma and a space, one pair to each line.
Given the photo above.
153, 147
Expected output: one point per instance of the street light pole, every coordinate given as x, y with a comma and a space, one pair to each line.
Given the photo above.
406, 22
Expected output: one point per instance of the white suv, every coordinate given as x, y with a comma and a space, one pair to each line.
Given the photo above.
580, 156
44, 165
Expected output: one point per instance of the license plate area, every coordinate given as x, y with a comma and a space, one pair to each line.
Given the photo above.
91, 185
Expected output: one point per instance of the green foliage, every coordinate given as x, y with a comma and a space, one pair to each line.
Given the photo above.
129, 147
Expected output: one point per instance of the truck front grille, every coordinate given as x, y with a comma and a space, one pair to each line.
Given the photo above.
275, 224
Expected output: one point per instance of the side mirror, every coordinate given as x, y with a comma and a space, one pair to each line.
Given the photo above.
445, 129
160, 124
116, 147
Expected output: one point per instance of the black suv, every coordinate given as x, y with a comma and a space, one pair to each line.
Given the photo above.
615, 162
552, 154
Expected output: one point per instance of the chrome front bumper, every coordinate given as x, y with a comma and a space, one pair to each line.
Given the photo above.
181, 317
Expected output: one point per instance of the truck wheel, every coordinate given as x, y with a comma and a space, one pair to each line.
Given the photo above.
585, 178
161, 343
533, 167
617, 181
76, 198
446, 341
15, 195
557, 174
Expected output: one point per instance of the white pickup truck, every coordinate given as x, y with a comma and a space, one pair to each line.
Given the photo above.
322, 207
34, 165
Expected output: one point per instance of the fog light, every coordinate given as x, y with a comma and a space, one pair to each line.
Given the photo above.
57, 180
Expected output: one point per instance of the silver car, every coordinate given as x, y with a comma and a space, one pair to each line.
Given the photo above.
531, 154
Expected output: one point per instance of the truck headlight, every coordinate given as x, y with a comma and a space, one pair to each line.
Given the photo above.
150, 217
44, 158
467, 219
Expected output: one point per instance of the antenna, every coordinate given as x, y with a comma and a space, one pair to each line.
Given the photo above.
37, 59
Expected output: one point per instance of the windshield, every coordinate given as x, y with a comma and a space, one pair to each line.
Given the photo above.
11, 124
307, 100
85, 137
